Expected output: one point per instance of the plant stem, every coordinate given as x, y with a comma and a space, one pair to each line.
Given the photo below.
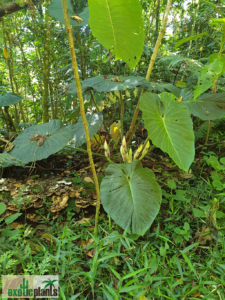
85, 151
121, 115
151, 64
208, 125
82, 111
135, 128
46, 65
207, 133
96, 106
214, 144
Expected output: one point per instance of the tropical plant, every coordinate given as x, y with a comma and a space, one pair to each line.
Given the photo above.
167, 116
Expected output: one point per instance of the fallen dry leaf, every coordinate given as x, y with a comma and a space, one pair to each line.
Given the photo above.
88, 179
29, 181
35, 247
203, 238
17, 226
19, 185
84, 221
49, 238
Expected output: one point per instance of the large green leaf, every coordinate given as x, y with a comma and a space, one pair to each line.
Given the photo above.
56, 11
204, 85
93, 121
161, 87
131, 196
209, 73
169, 127
212, 5
119, 26
27, 150
207, 106
7, 160
7, 99
100, 84
191, 38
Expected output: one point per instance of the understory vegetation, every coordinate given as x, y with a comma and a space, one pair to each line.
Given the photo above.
112, 147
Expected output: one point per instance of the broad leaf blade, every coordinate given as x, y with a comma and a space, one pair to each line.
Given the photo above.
7, 99
191, 38
100, 84
56, 11
27, 151
207, 107
7, 160
212, 5
169, 127
131, 196
93, 122
118, 25
157, 87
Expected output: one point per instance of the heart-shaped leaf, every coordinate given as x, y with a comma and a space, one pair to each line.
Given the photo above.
207, 106
119, 26
131, 196
56, 11
39, 141
7, 99
93, 122
169, 127
7, 160
102, 84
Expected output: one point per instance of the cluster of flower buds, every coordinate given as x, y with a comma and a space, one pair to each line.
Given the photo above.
127, 153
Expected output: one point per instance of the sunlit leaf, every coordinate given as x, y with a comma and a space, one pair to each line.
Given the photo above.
169, 127
56, 11
93, 122
53, 135
119, 26
191, 38
9, 98
100, 84
131, 196
207, 106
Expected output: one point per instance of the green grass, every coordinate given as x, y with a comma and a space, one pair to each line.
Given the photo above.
168, 262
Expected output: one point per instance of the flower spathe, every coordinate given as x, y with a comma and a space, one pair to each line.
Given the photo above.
107, 152
138, 152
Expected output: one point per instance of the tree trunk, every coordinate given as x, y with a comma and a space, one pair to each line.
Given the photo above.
157, 20
46, 68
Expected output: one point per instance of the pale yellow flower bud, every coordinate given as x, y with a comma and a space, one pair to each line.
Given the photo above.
107, 152
129, 156
123, 153
145, 151
105, 145
138, 151
124, 144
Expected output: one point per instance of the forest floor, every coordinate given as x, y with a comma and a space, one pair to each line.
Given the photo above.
50, 222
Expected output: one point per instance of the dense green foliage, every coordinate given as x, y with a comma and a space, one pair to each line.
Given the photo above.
128, 57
